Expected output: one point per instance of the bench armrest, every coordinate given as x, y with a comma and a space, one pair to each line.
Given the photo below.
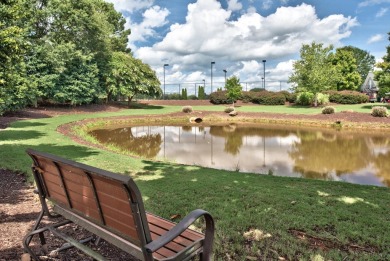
181, 227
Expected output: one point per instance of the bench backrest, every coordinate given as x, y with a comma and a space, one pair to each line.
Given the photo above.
105, 198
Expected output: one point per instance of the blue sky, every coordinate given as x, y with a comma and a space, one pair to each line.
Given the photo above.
238, 34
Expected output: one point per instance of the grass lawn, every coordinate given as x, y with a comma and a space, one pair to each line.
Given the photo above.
295, 219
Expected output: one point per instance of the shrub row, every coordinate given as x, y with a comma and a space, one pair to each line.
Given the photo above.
259, 97
347, 97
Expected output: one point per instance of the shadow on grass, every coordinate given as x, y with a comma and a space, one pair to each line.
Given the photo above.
25, 124
136, 105
8, 135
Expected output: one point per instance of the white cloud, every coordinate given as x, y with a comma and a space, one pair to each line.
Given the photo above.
242, 42
234, 5
267, 4
382, 12
153, 17
131, 6
373, 2
375, 38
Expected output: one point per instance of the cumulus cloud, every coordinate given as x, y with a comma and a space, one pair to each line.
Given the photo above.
131, 6
243, 41
382, 12
234, 5
153, 17
376, 38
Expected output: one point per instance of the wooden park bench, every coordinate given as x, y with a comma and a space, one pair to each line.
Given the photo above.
110, 206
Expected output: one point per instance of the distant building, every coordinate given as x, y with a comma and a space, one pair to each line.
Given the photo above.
370, 87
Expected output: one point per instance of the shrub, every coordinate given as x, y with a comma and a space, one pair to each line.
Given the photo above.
219, 97
257, 90
233, 113
187, 109
347, 97
268, 98
229, 109
192, 97
305, 98
379, 111
322, 99
328, 110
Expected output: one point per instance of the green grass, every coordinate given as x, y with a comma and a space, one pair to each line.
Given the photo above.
352, 221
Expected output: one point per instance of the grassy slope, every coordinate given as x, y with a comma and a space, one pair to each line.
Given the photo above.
335, 213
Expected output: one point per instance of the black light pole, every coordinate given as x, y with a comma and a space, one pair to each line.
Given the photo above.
264, 72
212, 76
224, 70
165, 65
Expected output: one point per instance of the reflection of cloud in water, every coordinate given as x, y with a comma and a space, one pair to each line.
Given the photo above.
328, 155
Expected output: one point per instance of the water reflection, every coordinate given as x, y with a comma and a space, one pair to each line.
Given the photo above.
330, 155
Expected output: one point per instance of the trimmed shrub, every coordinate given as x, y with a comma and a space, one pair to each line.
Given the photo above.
379, 111
187, 109
229, 109
328, 110
220, 97
305, 98
268, 98
322, 99
233, 113
192, 97
347, 97
257, 90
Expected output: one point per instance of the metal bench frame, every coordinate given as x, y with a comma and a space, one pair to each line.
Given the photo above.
146, 246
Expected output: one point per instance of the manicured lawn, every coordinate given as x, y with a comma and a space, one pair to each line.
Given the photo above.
303, 219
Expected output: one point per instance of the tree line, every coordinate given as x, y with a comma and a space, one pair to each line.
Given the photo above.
321, 68
67, 52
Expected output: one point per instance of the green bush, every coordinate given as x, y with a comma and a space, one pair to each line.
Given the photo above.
172, 96
268, 98
305, 98
192, 97
328, 110
187, 109
347, 97
257, 90
379, 111
322, 99
220, 97
229, 109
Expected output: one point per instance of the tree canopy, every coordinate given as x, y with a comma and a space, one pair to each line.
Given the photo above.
364, 60
62, 51
233, 88
383, 76
314, 72
349, 77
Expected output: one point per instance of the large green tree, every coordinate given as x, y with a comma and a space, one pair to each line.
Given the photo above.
129, 76
314, 72
349, 77
234, 88
14, 88
383, 76
364, 60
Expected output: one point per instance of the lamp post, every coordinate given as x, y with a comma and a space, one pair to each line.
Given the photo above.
165, 65
212, 63
224, 70
264, 72
204, 84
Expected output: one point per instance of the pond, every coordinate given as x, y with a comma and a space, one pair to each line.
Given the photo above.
326, 154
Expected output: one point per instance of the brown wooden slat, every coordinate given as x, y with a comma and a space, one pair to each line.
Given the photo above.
122, 228
117, 213
174, 246
158, 256
189, 233
110, 187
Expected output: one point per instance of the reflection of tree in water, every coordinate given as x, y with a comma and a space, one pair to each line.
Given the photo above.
186, 128
146, 146
382, 163
234, 135
316, 155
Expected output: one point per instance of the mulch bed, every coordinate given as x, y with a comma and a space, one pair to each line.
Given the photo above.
19, 206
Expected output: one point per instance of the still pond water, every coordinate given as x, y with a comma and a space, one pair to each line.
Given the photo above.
319, 154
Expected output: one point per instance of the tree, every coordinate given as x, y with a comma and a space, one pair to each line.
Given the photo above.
383, 76
201, 93
233, 88
184, 94
364, 60
314, 72
15, 89
349, 77
129, 76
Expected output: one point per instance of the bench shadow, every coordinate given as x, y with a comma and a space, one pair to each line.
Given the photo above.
7, 135
27, 123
